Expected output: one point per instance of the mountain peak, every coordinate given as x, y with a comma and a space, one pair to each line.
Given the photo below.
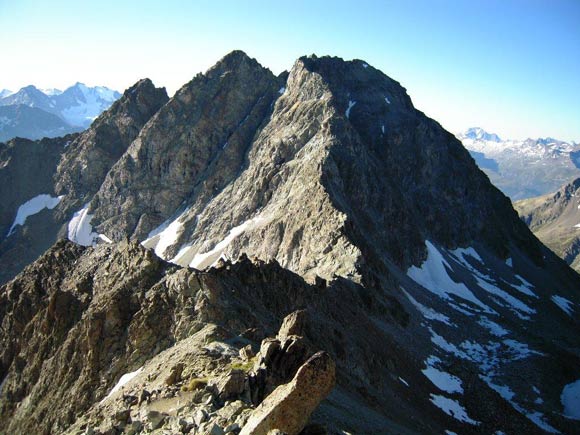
233, 60
142, 84
478, 133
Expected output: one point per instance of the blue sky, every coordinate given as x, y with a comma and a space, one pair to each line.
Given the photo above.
510, 66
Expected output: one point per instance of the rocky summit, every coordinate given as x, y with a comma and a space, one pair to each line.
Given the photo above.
259, 254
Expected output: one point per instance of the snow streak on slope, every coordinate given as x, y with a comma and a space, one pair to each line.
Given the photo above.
429, 313
453, 408
434, 277
488, 284
33, 206
122, 381
187, 256
491, 349
442, 380
81, 231
164, 236
563, 303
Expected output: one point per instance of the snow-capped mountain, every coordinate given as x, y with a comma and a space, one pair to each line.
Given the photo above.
523, 168
479, 134
79, 105
51, 91
207, 217
76, 107
5, 93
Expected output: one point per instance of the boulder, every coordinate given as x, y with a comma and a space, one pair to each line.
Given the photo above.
289, 406
247, 353
293, 324
228, 386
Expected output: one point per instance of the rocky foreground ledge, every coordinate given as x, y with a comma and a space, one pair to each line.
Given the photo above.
212, 390
112, 340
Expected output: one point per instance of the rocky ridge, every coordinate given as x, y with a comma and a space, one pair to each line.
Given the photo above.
555, 220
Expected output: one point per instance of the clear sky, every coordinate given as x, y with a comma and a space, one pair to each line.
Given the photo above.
509, 66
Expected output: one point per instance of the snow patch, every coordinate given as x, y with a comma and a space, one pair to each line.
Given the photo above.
442, 380
105, 238
453, 408
81, 231
509, 262
427, 312
433, 276
493, 327
563, 303
525, 287
517, 306
507, 394
570, 399
400, 379
281, 90
124, 379
209, 258
349, 108
164, 236
32, 207
490, 285
387, 100
201, 261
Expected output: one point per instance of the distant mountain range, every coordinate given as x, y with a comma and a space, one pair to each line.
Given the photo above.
34, 113
523, 168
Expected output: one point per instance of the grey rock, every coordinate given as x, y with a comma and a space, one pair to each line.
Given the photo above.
200, 416
133, 428
155, 419
293, 324
234, 427
229, 385
123, 417
247, 353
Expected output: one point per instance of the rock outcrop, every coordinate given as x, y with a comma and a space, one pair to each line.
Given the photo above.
87, 160
83, 299
289, 406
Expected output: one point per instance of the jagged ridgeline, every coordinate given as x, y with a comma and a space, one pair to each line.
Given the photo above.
434, 306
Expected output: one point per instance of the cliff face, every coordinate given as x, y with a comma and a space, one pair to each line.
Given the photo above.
420, 281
